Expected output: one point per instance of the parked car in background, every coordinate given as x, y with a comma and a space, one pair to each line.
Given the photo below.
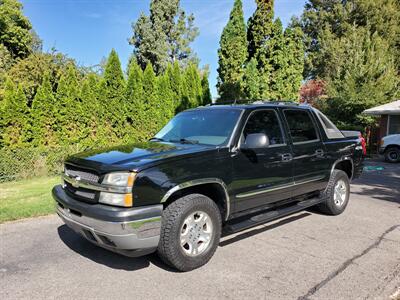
210, 169
390, 148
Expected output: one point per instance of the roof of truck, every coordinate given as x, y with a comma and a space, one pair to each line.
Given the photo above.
256, 104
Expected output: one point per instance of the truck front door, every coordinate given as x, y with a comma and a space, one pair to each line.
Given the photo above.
262, 175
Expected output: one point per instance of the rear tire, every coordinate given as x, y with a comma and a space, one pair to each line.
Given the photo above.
392, 155
190, 232
336, 195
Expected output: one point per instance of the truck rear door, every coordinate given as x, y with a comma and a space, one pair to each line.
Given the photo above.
309, 157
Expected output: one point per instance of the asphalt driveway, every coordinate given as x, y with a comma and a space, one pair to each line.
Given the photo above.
305, 256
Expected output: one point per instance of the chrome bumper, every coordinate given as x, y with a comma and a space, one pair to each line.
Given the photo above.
131, 238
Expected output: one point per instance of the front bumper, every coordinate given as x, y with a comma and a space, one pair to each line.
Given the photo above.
381, 150
128, 231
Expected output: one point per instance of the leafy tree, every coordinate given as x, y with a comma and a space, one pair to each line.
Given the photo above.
14, 117
232, 55
43, 115
164, 36
313, 91
15, 28
360, 74
30, 71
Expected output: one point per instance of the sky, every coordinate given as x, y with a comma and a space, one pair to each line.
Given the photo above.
87, 30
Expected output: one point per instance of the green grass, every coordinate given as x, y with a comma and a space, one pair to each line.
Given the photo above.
26, 198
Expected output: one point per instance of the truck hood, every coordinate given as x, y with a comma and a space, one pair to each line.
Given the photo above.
134, 156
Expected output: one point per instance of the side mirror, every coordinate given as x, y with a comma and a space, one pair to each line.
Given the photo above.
255, 140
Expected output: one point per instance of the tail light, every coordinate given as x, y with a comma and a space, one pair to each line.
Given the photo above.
363, 144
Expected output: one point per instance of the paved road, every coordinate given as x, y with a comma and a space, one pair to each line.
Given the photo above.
305, 256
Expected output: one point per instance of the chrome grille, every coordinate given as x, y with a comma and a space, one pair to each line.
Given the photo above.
80, 193
84, 175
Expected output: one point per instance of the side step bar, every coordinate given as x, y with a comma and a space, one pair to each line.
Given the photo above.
266, 216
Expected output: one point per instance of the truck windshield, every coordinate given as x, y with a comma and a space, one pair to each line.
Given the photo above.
203, 126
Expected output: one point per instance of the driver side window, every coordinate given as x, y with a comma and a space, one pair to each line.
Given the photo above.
264, 121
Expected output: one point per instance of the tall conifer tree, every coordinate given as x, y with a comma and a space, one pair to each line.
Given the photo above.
112, 95
14, 121
43, 115
232, 55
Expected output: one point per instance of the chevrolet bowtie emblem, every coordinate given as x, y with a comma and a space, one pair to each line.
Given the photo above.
75, 181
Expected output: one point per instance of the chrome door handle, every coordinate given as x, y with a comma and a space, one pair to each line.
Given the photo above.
319, 152
287, 157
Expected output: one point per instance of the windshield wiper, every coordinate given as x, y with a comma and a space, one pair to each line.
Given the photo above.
156, 139
185, 141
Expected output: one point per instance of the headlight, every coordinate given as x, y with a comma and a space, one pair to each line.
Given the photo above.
125, 200
119, 179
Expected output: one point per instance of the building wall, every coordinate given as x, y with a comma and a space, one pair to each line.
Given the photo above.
382, 126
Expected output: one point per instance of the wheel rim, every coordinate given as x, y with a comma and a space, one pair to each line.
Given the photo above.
339, 196
196, 233
393, 155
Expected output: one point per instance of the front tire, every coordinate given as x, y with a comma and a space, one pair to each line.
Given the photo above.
190, 232
392, 155
336, 195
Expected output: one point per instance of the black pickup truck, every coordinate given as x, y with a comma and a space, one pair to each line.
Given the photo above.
220, 168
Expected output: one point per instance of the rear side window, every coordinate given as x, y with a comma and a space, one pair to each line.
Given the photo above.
301, 126
267, 122
330, 129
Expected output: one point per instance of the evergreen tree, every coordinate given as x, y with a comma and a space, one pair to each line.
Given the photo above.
164, 36
92, 112
295, 56
338, 17
150, 115
205, 88
278, 56
43, 115
232, 55
112, 95
14, 117
360, 74
135, 98
193, 86
68, 108
260, 27
251, 81
175, 80
166, 99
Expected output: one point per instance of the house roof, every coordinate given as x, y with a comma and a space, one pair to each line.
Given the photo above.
392, 108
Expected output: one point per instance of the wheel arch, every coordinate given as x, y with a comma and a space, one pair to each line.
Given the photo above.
213, 188
345, 164
392, 146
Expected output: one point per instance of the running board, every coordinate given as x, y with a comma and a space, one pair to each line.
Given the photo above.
270, 215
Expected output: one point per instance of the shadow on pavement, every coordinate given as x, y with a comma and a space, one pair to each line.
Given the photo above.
99, 255
381, 184
262, 229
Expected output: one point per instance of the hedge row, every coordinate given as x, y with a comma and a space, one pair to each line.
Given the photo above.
81, 111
